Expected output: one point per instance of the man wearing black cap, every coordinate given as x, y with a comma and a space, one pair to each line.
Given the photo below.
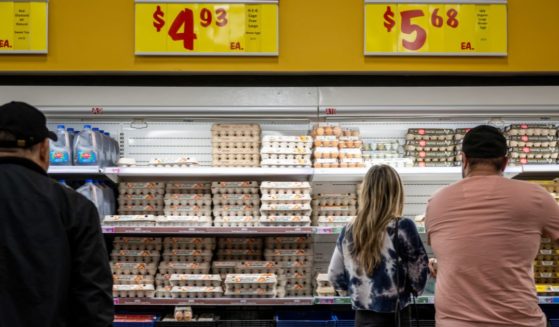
54, 268
485, 231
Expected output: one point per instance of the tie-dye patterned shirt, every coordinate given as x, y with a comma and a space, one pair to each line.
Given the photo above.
377, 292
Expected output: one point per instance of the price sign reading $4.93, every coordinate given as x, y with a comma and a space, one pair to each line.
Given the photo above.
451, 29
206, 29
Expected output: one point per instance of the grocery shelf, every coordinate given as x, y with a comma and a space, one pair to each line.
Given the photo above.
408, 174
215, 301
208, 173
74, 170
209, 230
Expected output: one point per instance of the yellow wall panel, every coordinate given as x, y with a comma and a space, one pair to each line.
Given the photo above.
315, 36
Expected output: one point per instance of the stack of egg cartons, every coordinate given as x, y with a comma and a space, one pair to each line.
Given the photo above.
251, 285
141, 198
431, 147
286, 151
236, 145
293, 257
285, 204
459, 135
234, 250
387, 152
185, 256
532, 144
323, 286
134, 263
334, 210
326, 140
351, 155
236, 204
187, 204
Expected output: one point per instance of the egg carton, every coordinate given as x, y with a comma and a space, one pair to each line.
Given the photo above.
251, 293
196, 292
322, 280
139, 197
178, 186
285, 221
126, 186
236, 157
239, 243
238, 254
437, 146
133, 268
144, 208
531, 129
164, 292
532, 141
288, 255
133, 279
195, 280
526, 161
325, 291
187, 255
189, 243
133, 291
324, 128
236, 211
241, 221
286, 163
291, 150
352, 163
298, 291
141, 203
413, 132
304, 206
250, 281
145, 256
182, 162
170, 267
348, 199
300, 281
293, 267
301, 198
437, 164
236, 163
326, 163
326, 152
333, 221
234, 184
235, 191
235, 148
162, 280
450, 160
183, 314
354, 153
223, 268
236, 199
396, 162
257, 267
137, 243
285, 158
335, 211
305, 139
188, 199
384, 145
534, 153
139, 213
285, 186
184, 221
350, 143
367, 155
129, 220
188, 211
288, 242
236, 130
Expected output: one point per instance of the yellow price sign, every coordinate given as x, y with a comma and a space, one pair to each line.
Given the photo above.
207, 29
445, 28
23, 27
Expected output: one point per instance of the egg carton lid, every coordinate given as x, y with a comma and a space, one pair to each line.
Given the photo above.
288, 240
225, 264
251, 279
141, 185
286, 197
166, 219
133, 287
130, 218
135, 253
137, 240
177, 196
184, 265
335, 219
282, 138
195, 277
134, 265
138, 279
197, 289
288, 252
285, 219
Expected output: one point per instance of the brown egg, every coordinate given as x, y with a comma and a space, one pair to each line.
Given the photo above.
328, 130
320, 131
337, 131
317, 165
343, 165
318, 143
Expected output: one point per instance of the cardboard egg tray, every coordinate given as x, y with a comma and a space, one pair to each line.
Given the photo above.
242, 221
188, 199
334, 211
133, 291
178, 186
326, 163
302, 206
183, 314
250, 281
129, 220
294, 267
288, 255
285, 188
326, 153
218, 192
225, 148
145, 209
238, 254
132, 279
322, 280
239, 243
349, 153
342, 199
287, 149
236, 199
198, 256
430, 134
140, 256
531, 130
140, 199
286, 163
241, 184
327, 129
257, 267
286, 198
162, 280
251, 293
333, 221
532, 141
298, 290
183, 221
325, 291
304, 139
137, 243
164, 292
288, 242
350, 142
285, 158
546, 266
222, 161
526, 161
428, 146
188, 211
437, 164
285, 221
166, 267
459, 134
534, 153
196, 292
236, 158
223, 268
143, 187
189, 243
236, 211
236, 130
131, 268
195, 280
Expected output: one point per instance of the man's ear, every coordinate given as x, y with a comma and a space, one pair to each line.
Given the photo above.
44, 152
464, 160
505, 164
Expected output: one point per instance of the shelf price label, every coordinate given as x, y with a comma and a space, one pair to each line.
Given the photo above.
448, 28
248, 28
23, 27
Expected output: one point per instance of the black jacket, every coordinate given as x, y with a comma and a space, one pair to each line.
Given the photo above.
54, 269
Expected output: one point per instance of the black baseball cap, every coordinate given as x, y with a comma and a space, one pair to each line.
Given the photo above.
484, 142
26, 122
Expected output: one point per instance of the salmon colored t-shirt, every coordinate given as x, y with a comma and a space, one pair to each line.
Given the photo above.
485, 232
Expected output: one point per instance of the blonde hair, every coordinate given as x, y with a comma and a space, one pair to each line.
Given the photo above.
381, 201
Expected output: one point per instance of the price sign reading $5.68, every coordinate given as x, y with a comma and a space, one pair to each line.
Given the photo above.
435, 29
206, 29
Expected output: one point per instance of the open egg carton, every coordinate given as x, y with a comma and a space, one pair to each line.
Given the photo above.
133, 268
285, 204
195, 280
239, 249
196, 292
129, 221
168, 268
141, 198
183, 221
258, 267
176, 255
223, 268
137, 243
134, 291
323, 286
326, 141
143, 256
334, 210
431, 147
251, 285
183, 314
189, 243
350, 145
532, 144
386, 152
188, 199
288, 243
236, 145
286, 151
133, 280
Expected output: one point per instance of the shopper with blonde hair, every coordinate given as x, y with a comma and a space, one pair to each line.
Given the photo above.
379, 270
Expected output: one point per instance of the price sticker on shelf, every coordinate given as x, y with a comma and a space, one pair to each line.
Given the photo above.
209, 28
23, 27
445, 28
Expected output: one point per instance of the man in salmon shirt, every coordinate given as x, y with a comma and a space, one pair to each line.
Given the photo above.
485, 231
